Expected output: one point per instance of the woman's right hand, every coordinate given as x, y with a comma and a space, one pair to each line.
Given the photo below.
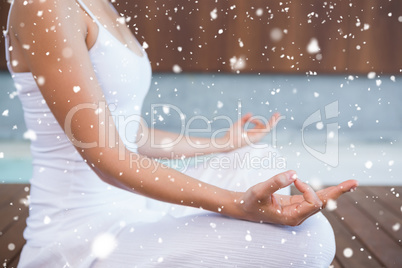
261, 204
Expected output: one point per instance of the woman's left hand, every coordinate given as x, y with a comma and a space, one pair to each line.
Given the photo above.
239, 135
260, 203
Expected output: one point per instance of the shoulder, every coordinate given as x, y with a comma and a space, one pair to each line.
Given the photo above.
32, 7
36, 15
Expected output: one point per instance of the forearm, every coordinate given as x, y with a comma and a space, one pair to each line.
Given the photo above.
162, 183
158, 143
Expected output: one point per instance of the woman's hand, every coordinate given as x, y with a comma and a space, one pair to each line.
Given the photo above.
261, 204
238, 136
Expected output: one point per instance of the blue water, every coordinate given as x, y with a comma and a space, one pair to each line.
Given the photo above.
15, 170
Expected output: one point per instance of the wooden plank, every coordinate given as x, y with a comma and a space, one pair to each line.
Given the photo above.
387, 197
14, 262
12, 210
8, 192
12, 240
386, 219
345, 238
12, 224
385, 249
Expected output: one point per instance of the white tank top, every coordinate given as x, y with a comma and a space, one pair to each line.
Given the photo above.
60, 176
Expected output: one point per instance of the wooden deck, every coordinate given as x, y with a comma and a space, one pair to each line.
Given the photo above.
367, 226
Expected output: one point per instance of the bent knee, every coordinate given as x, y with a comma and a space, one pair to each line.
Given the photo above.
318, 245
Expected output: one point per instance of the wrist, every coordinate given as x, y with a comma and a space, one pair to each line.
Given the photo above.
223, 145
233, 205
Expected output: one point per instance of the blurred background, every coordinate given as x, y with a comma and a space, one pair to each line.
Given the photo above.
218, 57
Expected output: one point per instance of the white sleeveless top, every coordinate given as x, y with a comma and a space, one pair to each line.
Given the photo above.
64, 190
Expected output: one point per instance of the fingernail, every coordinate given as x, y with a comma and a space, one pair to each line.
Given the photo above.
353, 189
291, 176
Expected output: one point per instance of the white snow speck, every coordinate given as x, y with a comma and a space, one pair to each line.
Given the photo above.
166, 109
219, 104
283, 241
237, 63
145, 45
1, 155
30, 135
259, 12
98, 111
319, 125
378, 82
248, 237
76, 89
47, 220
371, 75
276, 34
368, 164
241, 44
350, 124
160, 259
313, 46
214, 14
316, 94
213, 225
391, 162
103, 245
177, 69
400, 18
5, 113
40, 80
396, 227
11, 247
348, 252
331, 205
220, 31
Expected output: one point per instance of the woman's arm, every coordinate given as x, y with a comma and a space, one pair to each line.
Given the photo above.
158, 143
62, 26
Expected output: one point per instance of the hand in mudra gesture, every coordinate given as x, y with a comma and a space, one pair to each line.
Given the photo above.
260, 203
239, 134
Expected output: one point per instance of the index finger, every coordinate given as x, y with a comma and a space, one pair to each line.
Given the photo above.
308, 193
334, 192
311, 204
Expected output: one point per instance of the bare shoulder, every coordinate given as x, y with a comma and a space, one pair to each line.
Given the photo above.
38, 15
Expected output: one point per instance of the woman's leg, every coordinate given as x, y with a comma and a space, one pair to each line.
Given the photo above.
210, 240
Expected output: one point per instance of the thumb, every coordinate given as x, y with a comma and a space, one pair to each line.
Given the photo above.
278, 181
246, 117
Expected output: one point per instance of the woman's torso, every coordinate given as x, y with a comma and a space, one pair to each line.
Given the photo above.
63, 186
